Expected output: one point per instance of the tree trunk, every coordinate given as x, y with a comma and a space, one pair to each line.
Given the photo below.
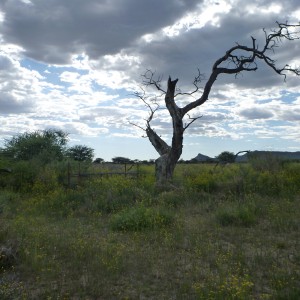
166, 163
164, 168
169, 155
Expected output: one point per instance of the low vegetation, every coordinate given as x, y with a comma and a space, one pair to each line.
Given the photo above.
225, 232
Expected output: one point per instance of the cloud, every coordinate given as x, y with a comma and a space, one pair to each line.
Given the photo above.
79, 128
18, 86
200, 48
291, 115
256, 113
9, 104
74, 64
52, 31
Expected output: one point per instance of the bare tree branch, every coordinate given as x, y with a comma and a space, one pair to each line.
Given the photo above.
186, 125
149, 79
138, 126
158, 143
196, 82
142, 97
247, 60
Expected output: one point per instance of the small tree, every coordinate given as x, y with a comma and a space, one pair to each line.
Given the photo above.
81, 153
99, 160
122, 160
226, 157
45, 145
237, 59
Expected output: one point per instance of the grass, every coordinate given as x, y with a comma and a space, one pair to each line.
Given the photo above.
222, 234
139, 218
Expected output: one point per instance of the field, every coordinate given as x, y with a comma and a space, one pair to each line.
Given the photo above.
230, 232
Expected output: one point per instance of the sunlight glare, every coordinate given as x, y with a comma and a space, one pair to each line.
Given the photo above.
207, 13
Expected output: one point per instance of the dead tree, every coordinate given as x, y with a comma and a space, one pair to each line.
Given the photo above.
237, 59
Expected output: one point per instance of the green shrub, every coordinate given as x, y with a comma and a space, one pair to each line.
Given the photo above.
58, 203
231, 287
206, 182
288, 294
110, 203
237, 214
284, 215
285, 285
265, 162
292, 178
23, 176
115, 193
171, 198
140, 218
8, 202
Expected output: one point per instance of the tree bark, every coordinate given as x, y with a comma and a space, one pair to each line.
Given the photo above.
169, 155
164, 168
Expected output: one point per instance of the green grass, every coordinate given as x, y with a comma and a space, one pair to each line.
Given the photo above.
237, 214
140, 218
220, 234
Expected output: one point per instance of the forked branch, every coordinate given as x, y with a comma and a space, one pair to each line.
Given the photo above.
244, 58
143, 98
150, 80
197, 80
193, 119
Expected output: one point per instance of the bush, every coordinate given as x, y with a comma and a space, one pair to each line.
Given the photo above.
206, 182
8, 202
113, 194
23, 176
171, 198
237, 214
265, 162
231, 286
57, 203
139, 218
226, 157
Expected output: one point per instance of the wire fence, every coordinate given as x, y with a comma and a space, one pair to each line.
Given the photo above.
126, 170
69, 173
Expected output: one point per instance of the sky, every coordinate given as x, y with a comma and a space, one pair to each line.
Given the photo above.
75, 65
